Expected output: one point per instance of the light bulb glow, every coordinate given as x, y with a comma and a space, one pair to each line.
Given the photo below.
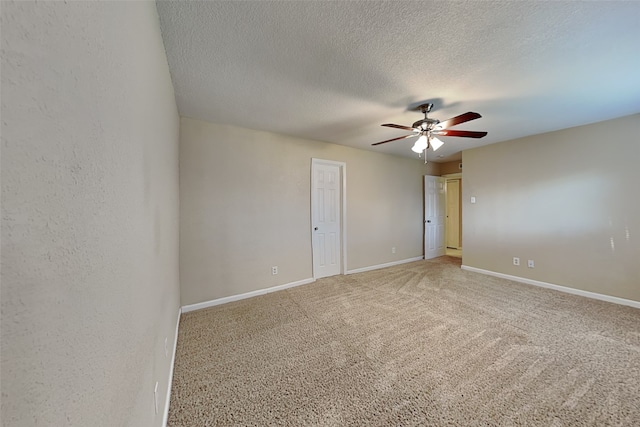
436, 143
420, 145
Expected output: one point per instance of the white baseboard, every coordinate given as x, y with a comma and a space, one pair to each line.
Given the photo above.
212, 303
594, 295
388, 264
165, 417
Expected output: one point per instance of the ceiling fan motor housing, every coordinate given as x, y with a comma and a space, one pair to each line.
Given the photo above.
428, 124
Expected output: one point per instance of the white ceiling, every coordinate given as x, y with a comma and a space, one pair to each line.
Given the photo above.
335, 71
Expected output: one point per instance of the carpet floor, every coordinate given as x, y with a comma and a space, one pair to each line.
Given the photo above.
418, 344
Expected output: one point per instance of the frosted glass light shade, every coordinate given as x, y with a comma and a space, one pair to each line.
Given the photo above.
436, 143
420, 145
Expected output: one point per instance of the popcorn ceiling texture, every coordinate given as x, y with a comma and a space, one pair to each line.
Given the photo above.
421, 344
89, 214
335, 70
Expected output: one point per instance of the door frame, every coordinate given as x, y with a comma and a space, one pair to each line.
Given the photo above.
342, 166
452, 176
450, 227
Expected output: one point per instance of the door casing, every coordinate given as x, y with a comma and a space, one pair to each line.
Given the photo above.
453, 198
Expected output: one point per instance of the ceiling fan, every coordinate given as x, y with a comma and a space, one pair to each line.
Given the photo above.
427, 129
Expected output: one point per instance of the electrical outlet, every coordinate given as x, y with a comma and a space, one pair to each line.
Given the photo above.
530, 263
516, 260
393, 250
274, 270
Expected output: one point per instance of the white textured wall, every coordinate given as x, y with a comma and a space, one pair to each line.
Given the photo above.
245, 203
89, 214
566, 199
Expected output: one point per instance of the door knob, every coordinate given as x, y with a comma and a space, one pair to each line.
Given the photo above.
429, 221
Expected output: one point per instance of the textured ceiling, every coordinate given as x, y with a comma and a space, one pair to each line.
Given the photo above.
335, 71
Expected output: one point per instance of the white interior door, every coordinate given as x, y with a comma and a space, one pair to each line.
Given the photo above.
434, 221
326, 218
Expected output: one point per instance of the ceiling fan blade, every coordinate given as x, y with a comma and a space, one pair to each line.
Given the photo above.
462, 133
466, 117
391, 125
395, 139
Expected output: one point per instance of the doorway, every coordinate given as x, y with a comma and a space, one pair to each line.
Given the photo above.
453, 229
328, 214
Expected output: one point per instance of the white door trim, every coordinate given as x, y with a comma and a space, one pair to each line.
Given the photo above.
343, 209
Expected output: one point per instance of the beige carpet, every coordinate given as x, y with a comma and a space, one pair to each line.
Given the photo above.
418, 344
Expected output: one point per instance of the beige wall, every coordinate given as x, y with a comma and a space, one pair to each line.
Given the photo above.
89, 214
566, 199
450, 167
245, 206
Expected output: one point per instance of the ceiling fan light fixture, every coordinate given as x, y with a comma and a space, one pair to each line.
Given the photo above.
427, 128
420, 145
436, 143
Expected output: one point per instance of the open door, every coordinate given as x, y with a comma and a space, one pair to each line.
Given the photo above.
434, 218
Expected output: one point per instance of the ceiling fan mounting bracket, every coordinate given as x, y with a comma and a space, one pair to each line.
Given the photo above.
425, 108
